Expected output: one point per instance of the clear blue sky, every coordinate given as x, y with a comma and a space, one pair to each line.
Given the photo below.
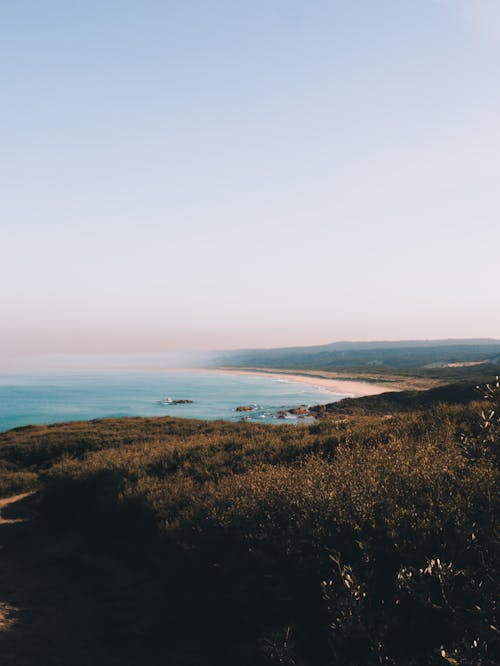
208, 174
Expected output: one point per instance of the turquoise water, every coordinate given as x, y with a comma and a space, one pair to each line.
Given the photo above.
54, 397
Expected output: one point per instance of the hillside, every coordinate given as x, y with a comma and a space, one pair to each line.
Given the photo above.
363, 538
400, 401
446, 360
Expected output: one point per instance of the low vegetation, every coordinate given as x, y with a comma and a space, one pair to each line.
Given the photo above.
431, 361
360, 539
390, 402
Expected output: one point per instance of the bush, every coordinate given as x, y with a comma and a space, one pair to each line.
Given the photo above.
368, 539
14, 483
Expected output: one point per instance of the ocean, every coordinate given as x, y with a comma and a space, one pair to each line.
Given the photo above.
37, 398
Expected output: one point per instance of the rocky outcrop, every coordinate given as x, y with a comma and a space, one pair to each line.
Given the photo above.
303, 410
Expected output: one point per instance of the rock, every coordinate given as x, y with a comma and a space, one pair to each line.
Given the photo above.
246, 408
300, 411
169, 401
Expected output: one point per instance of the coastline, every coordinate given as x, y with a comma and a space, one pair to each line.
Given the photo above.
345, 387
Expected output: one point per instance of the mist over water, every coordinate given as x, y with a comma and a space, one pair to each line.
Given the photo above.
107, 361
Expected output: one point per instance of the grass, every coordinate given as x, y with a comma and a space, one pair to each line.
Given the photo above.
402, 401
365, 538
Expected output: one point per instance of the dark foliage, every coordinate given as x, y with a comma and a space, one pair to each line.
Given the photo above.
401, 401
367, 539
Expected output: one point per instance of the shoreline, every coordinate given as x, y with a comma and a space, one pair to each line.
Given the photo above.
347, 388
324, 380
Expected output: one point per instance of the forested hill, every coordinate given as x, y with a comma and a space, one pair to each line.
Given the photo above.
420, 356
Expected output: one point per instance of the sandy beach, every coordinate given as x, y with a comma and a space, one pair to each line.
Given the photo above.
348, 388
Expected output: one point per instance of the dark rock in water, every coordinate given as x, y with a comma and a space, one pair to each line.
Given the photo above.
169, 401
300, 411
246, 408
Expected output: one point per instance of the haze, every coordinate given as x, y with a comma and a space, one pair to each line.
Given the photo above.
200, 175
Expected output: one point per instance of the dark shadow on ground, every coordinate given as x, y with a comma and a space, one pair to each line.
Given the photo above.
60, 604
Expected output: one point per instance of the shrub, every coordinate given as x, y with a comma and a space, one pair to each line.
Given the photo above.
368, 539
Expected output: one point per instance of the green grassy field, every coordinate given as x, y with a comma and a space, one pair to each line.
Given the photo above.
367, 537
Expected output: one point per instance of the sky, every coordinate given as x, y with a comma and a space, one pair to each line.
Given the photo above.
213, 174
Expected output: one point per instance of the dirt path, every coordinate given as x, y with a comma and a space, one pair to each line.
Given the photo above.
9, 613
8, 501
